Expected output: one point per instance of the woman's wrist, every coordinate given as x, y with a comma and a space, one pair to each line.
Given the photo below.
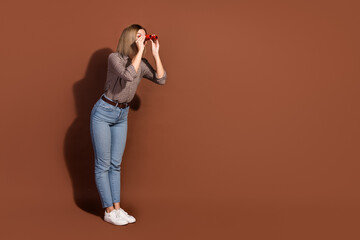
156, 55
141, 51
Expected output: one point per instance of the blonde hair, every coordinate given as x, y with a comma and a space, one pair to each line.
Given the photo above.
126, 44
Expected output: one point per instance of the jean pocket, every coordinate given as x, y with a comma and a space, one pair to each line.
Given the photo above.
106, 106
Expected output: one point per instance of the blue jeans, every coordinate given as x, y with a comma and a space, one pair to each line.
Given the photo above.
108, 129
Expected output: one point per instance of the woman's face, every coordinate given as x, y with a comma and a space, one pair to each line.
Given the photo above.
140, 33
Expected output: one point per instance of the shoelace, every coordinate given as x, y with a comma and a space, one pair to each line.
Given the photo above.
117, 214
122, 210
113, 213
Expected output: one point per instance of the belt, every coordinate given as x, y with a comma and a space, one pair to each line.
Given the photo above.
120, 105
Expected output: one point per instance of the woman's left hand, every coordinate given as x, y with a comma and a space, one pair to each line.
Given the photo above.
155, 47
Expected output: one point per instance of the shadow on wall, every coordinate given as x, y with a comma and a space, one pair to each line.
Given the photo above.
78, 150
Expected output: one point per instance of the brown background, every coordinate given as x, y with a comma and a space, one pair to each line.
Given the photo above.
254, 136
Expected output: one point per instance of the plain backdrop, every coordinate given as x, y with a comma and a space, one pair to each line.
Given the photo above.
255, 134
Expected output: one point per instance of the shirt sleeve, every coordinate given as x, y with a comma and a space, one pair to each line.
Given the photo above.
118, 67
149, 73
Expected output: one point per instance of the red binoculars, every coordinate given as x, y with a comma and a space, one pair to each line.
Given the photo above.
149, 36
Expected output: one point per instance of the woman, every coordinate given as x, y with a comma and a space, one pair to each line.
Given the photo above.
108, 120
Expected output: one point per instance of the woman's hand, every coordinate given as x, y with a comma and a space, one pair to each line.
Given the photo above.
140, 43
155, 47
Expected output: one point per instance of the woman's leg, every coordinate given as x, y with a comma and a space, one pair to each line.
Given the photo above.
118, 142
101, 139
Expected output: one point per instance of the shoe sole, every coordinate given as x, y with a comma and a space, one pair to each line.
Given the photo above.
117, 224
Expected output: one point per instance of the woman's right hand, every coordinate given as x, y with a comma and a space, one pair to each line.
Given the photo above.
140, 43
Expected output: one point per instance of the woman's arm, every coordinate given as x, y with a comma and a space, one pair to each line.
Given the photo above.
116, 65
159, 67
137, 59
150, 73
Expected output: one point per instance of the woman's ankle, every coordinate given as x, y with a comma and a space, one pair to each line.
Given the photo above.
109, 209
117, 205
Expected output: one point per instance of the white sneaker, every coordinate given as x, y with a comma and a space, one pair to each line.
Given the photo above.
113, 217
124, 215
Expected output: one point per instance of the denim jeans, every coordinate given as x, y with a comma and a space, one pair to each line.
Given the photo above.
108, 129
